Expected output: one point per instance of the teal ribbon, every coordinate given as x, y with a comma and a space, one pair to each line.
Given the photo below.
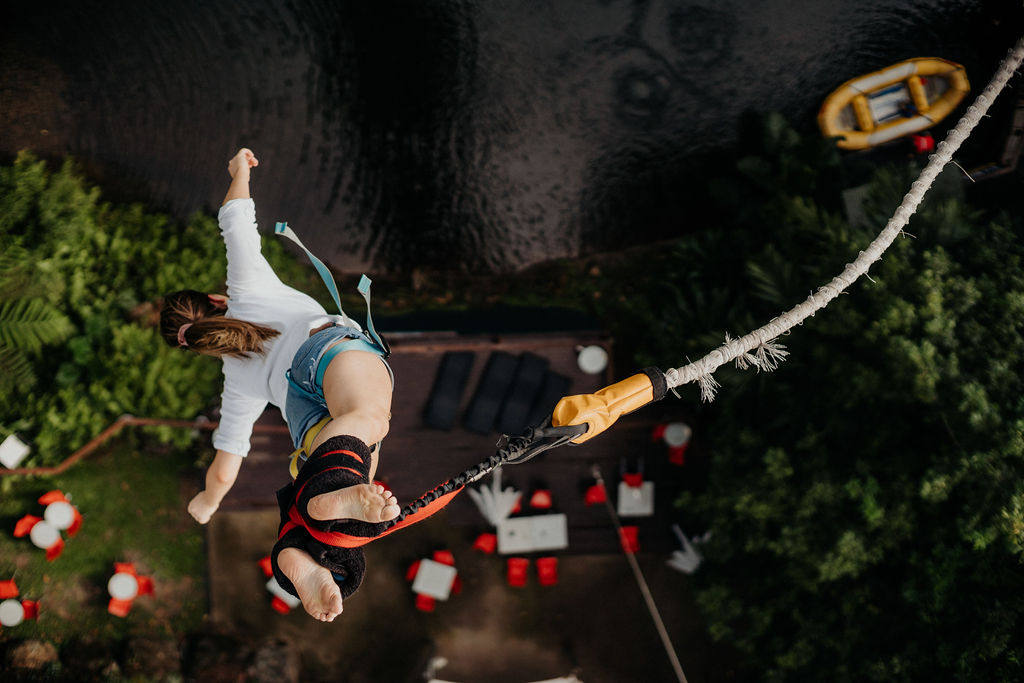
364, 289
325, 275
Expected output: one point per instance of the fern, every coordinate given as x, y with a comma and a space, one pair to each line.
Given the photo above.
15, 371
16, 274
28, 325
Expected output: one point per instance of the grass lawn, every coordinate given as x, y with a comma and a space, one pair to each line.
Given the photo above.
130, 497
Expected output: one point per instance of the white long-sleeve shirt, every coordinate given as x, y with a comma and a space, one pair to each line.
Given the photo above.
257, 295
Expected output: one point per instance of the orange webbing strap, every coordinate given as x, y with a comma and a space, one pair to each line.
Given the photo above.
602, 408
338, 539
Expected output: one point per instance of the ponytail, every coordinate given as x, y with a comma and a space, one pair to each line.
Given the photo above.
189, 319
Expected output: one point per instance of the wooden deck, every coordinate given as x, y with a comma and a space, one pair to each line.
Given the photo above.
414, 457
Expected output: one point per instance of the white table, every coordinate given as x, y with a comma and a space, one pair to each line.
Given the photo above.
636, 501
434, 579
123, 586
44, 535
676, 434
60, 514
11, 612
592, 359
12, 451
533, 533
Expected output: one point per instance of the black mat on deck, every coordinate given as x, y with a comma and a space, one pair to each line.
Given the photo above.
442, 407
490, 392
555, 386
521, 395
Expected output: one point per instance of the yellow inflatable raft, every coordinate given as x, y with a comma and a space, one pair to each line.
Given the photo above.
899, 100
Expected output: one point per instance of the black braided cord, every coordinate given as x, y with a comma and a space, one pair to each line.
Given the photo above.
517, 449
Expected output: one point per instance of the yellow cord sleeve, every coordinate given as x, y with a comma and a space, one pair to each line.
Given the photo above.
600, 410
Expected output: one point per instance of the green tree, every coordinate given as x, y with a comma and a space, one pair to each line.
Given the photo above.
80, 284
866, 498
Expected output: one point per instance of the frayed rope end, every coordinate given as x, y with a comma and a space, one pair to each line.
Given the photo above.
766, 356
708, 387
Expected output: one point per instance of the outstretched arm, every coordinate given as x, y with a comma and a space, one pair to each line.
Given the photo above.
239, 167
219, 480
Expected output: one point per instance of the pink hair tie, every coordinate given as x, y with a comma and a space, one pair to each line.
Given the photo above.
181, 334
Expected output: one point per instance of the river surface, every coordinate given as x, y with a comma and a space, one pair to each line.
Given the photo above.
447, 134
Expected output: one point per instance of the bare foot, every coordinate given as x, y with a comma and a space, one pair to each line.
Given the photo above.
319, 593
367, 502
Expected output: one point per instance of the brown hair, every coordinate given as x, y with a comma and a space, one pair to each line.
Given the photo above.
209, 331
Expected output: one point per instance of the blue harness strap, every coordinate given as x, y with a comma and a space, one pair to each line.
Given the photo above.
347, 345
325, 275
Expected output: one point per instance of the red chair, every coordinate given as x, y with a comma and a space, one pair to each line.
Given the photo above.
541, 499
444, 557
517, 567
486, 543
8, 589
31, 608
279, 605
677, 454
410, 573
145, 585
547, 571
266, 567
76, 523
595, 495
633, 479
517, 507
119, 608
54, 551
425, 603
659, 432
628, 538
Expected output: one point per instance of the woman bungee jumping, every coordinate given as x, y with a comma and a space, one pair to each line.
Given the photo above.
329, 378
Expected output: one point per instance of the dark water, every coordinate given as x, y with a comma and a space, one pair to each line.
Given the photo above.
457, 134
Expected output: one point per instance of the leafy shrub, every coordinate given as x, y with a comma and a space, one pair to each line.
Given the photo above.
865, 498
80, 284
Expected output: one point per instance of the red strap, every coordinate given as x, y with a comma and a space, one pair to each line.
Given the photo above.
329, 469
337, 539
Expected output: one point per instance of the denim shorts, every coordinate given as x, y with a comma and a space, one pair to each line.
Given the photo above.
305, 404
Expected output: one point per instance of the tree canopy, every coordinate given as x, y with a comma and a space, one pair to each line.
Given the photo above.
80, 284
866, 499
